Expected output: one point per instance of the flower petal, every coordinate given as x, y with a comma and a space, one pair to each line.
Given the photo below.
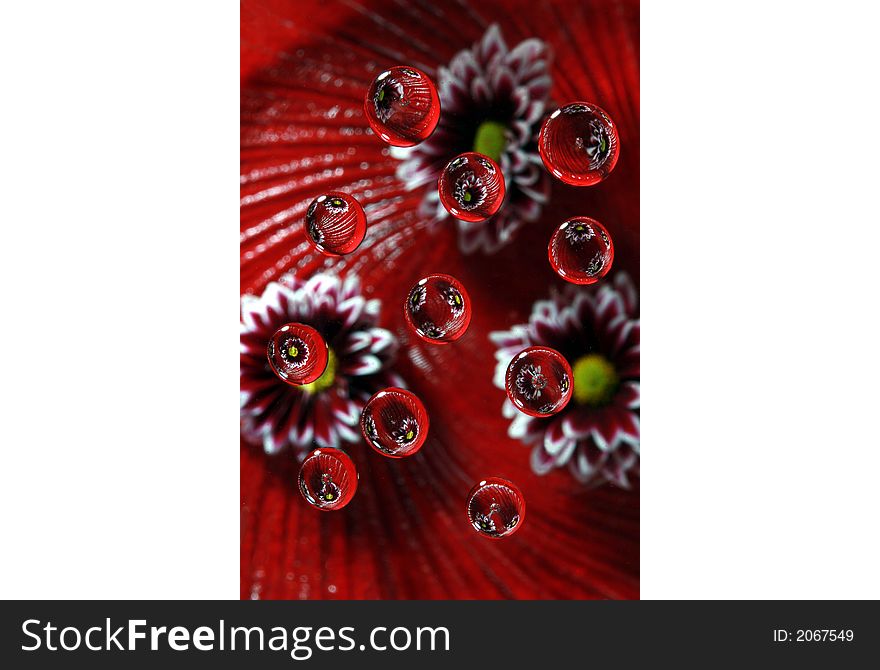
362, 365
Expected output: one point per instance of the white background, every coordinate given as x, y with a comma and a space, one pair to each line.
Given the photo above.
119, 266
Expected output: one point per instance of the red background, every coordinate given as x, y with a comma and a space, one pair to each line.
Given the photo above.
406, 535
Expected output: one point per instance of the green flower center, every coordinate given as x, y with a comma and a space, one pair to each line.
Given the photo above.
293, 352
410, 434
490, 139
327, 377
595, 380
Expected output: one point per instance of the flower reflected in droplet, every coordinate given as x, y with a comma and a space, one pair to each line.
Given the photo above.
387, 94
492, 99
326, 411
530, 381
597, 330
469, 191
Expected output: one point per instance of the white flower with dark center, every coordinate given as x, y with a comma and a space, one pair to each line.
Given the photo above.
597, 330
454, 299
371, 431
406, 432
417, 296
327, 411
484, 522
579, 232
492, 101
596, 146
431, 330
469, 191
315, 232
383, 102
530, 381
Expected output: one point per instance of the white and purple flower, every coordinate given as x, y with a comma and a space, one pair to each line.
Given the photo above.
597, 330
492, 101
327, 411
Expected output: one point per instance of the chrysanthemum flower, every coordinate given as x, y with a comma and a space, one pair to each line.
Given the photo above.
492, 101
327, 411
597, 434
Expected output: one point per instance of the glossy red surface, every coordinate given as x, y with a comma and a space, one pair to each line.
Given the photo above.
539, 381
438, 309
335, 223
581, 250
496, 508
471, 187
328, 479
579, 144
297, 354
402, 106
395, 423
405, 534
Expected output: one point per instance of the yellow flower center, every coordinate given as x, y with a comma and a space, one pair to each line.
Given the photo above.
595, 380
490, 139
327, 377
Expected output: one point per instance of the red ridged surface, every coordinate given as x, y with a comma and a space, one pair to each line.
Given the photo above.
303, 132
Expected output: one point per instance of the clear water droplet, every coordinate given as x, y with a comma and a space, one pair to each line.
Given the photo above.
297, 354
335, 223
539, 381
581, 250
328, 479
579, 144
402, 106
471, 187
496, 508
395, 423
438, 309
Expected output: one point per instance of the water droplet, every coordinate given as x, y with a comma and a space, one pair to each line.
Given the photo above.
395, 423
471, 187
581, 250
496, 508
579, 144
328, 479
297, 354
402, 106
538, 381
335, 223
438, 309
